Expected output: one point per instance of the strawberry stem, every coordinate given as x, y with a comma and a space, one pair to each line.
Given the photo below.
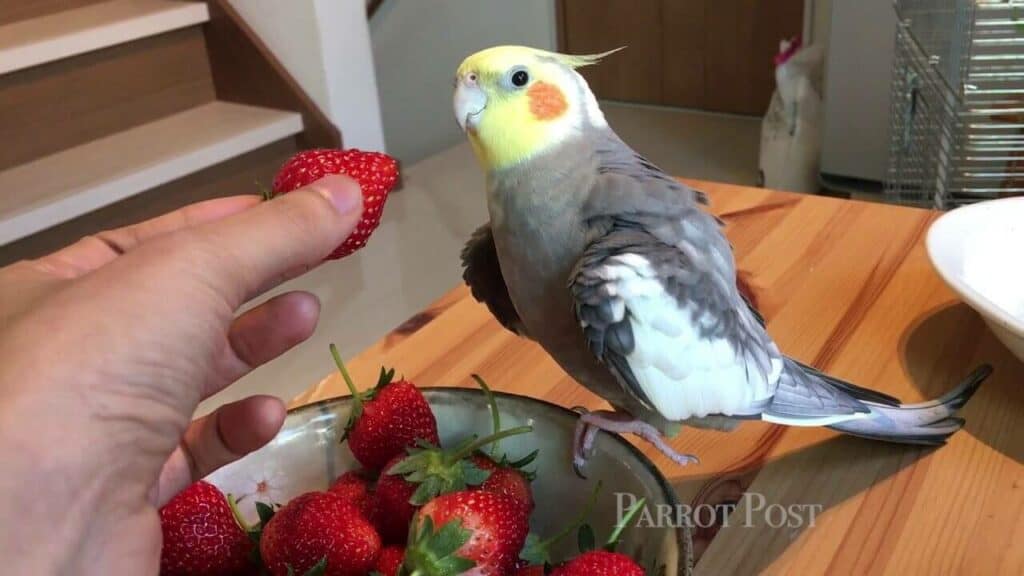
233, 504
493, 405
613, 540
474, 446
580, 519
357, 399
265, 192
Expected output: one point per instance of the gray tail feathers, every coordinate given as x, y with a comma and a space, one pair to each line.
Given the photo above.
929, 423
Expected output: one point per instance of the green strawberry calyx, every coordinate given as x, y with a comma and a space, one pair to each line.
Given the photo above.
503, 461
265, 192
432, 553
255, 531
359, 398
318, 569
438, 471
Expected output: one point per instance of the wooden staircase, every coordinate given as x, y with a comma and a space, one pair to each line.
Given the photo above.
112, 111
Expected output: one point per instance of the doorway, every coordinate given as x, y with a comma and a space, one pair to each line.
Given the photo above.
714, 55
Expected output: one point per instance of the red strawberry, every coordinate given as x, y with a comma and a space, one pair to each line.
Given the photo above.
355, 487
511, 482
599, 563
484, 462
427, 472
392, 508
202, 535
505, 477
506, 480
376, 173
387, 419
477, 534
390, 560
315, 528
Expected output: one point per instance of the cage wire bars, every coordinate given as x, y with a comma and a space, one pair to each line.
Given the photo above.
957, 107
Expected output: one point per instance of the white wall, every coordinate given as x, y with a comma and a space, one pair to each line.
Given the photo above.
325, 45
418, 44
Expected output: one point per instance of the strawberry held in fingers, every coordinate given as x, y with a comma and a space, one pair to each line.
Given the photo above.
376, 173
386, 420
201, 535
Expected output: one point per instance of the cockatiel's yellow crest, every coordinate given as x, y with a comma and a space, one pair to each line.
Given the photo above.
516, 101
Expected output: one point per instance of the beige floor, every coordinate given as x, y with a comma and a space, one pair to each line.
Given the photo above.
413, 257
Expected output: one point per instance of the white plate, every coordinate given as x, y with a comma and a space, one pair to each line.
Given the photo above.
979, 251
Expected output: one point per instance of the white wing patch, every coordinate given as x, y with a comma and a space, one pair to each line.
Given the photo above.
683, 374
820, 421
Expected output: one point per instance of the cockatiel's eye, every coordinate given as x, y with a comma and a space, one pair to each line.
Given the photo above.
520, 78
517, 77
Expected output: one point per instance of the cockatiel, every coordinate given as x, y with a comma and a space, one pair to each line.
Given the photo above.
619, 273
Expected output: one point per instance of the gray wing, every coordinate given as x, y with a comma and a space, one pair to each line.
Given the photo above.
668, 327
655, 293
482, 273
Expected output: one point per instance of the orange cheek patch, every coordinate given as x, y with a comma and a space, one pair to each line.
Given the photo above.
546, 101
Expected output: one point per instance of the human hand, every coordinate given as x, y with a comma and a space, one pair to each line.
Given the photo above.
108, 346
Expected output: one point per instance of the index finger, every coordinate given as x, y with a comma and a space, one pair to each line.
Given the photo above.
96, 250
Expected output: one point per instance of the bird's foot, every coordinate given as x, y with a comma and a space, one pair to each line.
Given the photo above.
619, 423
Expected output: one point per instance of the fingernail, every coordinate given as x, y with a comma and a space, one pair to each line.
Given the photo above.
341, 191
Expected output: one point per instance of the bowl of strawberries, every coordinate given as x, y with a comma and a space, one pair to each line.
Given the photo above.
401, 480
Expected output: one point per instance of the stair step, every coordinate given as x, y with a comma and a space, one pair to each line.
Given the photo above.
77, 31
76, 181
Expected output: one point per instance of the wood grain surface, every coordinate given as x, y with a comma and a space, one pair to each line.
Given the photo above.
846, 286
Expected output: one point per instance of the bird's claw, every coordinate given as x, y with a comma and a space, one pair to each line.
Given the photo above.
682, 459
583, 444
591, 422
578, 464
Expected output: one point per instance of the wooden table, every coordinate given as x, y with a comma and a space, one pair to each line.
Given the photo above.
846, 286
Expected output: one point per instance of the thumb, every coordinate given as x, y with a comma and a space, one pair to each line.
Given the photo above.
263, 246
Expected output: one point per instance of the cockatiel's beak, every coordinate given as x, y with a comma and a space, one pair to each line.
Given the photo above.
470, 101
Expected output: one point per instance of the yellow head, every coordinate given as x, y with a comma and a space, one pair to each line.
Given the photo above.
514, 102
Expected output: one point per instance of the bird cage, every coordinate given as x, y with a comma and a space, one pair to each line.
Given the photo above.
957, 107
